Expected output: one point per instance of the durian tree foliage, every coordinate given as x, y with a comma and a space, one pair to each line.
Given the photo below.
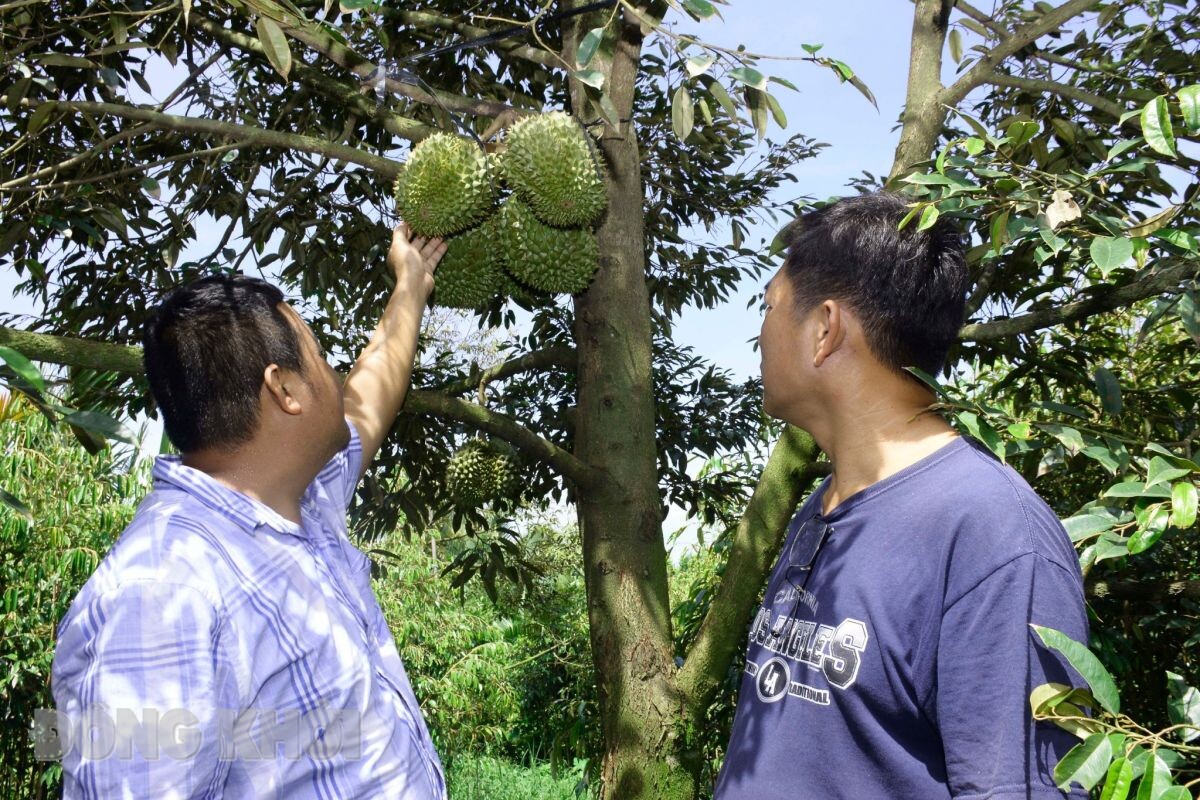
288, 124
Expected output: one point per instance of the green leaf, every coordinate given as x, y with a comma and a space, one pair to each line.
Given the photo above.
1156, 780
275, 44
1109, 390
592, 77
1183, 706
1084, 526
1069, 437
776, 110
1110, 252
1183, 505
717, 90
1087, 665
1021, 132
1085, 764
588, 47
1189, 314
698, 65
23, 367
756, 102
786, 83
152, 188
1156, 126
1154, 526
750, 77
1021, 430
102, 424
1189, 106
999, 232
1175, 793
811, 49
956, 49
701, 9
929, 217
1120, 147
15, 504
973, 145
1161, 470
683, 113
609, 109
1118, 780
39, 117
1136, 489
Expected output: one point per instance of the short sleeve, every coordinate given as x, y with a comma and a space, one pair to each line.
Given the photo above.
339, 476
988, 662
142, 684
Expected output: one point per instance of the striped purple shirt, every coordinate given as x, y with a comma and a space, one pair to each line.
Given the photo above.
223, 651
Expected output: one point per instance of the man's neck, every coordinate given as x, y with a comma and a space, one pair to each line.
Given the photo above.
873, 439
262, 476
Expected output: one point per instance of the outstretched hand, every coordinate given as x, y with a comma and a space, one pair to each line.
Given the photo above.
413, 260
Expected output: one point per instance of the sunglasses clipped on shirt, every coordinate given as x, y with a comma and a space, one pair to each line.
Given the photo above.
802, 555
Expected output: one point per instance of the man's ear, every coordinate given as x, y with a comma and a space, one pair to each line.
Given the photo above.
831, 330
277, 383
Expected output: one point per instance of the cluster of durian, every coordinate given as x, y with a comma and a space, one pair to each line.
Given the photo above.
514, 222
477, 474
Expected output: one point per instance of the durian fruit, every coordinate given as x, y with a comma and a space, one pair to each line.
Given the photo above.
551, 165
469, 475
505, 479
471, 271
548, 259
447, 185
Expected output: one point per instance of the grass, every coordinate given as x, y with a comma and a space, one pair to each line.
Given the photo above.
486, 778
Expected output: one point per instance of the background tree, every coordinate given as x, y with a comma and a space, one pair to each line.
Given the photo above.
288, 124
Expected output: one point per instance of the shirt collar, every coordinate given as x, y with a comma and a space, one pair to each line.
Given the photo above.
242, 509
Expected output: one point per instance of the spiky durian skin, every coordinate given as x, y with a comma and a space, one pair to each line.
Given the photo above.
552, 167
447, 185
469, 475
505, 479
471, 272
553, 260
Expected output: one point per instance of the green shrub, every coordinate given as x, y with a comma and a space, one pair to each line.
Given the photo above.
487, 778
78, 505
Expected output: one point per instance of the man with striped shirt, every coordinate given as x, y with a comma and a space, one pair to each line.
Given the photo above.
230, 644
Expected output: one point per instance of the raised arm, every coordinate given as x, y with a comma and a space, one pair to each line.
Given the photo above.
376, 386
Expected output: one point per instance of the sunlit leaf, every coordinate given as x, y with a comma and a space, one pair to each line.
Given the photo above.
1086, 664
1157, 128
21, 365
1085, 764
275, 45
683, 113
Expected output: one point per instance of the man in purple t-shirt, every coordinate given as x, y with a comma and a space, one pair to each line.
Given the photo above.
892, 655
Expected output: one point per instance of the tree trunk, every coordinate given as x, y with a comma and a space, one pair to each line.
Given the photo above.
620, 517
923, 112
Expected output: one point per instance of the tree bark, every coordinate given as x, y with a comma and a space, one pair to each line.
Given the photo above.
923, 113
620, 519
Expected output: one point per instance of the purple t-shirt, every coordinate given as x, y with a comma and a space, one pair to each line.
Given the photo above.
903, 668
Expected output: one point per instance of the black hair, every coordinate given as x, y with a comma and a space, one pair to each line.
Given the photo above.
908, 287
205, 348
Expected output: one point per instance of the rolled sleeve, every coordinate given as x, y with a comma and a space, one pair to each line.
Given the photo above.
142, 681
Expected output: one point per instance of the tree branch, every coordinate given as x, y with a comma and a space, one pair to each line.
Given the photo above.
232, 130
1153, 283
1145, 592
1060, 89
127, 360
1027, 34
786, 477
302, 30
350, 96
73, 351
563, 356
503, 427
425, 20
